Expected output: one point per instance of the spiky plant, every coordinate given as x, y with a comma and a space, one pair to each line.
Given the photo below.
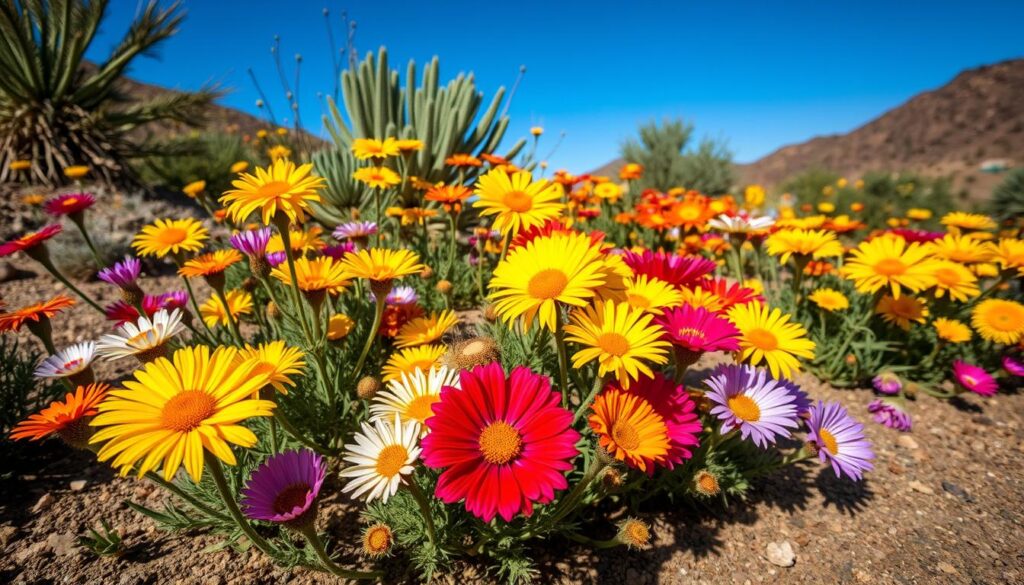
379, 104
57, 110
1008, 197
669, 159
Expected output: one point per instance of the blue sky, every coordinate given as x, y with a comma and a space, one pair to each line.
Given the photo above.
759, 74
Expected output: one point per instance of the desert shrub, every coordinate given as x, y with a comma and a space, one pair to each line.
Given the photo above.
1008, 197
195, 157
18, 395
669, 159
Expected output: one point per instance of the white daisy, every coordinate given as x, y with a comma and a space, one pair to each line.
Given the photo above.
741, 224
69, 361
382, 453
141, 339
412, 396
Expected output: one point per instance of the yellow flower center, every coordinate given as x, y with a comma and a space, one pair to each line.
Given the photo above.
518, 201
689, 213
890, 267
745, 408
69, 201
290, 498
707, 483
377, 540
419, 407
187, 410
637, 533
500, 443
171, 235
391, 460
639, 301
762, 339
273, 189
625, 435
547, 284
613, 343
1005, 318
474, 348
828, 441
691, 332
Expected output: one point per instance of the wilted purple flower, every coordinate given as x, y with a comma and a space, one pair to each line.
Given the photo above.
275, 259
1013, 365
887, 383
123, 273
355, 230
888, 414
839, 440
338, 252
252, 242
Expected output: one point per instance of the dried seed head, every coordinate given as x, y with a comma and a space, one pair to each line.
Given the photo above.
472, 352
368, 387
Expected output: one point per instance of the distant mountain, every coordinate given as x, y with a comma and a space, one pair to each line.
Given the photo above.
975, 119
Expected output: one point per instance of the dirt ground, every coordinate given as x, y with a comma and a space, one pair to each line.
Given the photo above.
945, 504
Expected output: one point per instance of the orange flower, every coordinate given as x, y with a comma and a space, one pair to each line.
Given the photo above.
69, 419
463, 160
450, 196
631, 171
35, 313
210, 264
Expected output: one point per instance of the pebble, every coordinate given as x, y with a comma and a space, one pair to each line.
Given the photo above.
78, 485
780, 554
957, 491
922, 488
44, 502
7, 534
62, 544
946, 568
907, 442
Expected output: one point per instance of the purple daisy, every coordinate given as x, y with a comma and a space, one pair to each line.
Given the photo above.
839, 440
402, 295
749, 399
252, 242
275, 259
122, 274
974, 378
338, 252
355, 230
887, 383
284, 488
1013, 365
886, 413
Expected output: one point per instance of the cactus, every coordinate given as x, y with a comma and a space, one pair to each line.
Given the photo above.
448, 119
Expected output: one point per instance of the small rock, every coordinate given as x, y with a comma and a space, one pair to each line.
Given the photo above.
63, 544
957, 491
28, 552
907, 442
862, 576
78, 485
780, 554
922, 488
896, 468
946, 568
7, 534
44, 502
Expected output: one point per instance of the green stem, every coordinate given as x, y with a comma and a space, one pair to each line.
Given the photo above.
569, 502
563, 359
79, 222
286, 239
317, 545
286, 424
379, 217
377, 316
195, 307
213, 464
454, 244
598, 383
232, 323
421, 501
274, 445
174, 489
48, 265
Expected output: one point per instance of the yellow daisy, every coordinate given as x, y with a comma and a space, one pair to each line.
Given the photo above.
423, 330
952, 330
564, 267
968, 221
381, 265
767, 335
275, 360
888, 261
170, 236
829, 299
651, 295
314, 274
176, 410
1009, 254
805, 244
377, 177
954, 279
962, 249
281, 188
213, 311
371, 148
408, 360
339, 326
902, 311
999, 320
621, 338
517, 201
301, 240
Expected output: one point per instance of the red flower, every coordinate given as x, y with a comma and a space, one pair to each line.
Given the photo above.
69, 203
550, 226
29, 240
504, 443
730, 294
670, 268
699, 330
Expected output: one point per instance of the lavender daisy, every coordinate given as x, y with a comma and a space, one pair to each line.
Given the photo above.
284, 489
402, 295
357, 231
71, 362
749, 399
886, 413
839, 440
252, 243
887, 383
122, 274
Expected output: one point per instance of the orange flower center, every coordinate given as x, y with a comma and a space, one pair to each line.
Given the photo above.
638, 533
947, 276
762, 339
707, 483
273, 189
378, 539
745, 408
547, 284
828, 441
613, 343
518, 201
639, 301
419, 407
391, 460
290, 498
187, 410
500, 443
890, 267
625, 435
171, 235
1005, 318
69, 201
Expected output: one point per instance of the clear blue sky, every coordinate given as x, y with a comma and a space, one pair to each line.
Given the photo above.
760, 74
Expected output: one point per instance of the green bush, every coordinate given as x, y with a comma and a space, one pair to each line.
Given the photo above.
669, 161
1008, 197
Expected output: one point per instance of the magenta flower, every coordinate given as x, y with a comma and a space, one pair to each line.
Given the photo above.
839, 440
887, 383
922, 236
671, 268
886, 413
698, 330
252, 243
974, 378
123, 273
677, 410
284, 489
749, 399
121, 312
355, 230
69, 203
1013, 365
275, 259
338, 251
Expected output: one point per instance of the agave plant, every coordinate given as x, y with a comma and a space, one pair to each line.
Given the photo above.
378, 104
56, 109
